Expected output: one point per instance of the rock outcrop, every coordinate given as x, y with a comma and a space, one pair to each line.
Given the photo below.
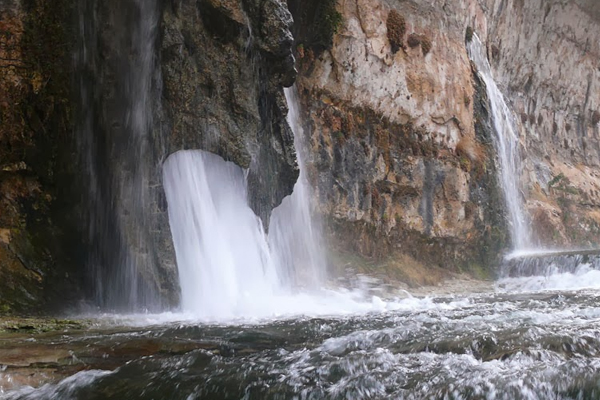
402, 152
85, 141
224, 64
167, 76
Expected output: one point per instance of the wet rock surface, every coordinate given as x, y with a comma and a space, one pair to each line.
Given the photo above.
35, 156
224, 65
400, 141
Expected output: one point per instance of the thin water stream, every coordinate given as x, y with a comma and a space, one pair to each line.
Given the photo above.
507, 146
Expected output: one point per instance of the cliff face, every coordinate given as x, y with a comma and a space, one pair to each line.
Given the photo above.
158, 77
402, 155
546, 56
35, 115
401, 151
82, 143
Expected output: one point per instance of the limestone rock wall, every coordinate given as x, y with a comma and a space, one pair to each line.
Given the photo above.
402, 154
546, 57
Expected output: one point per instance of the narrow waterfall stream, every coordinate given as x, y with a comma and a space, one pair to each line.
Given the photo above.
115, 141
293, 233
507, 145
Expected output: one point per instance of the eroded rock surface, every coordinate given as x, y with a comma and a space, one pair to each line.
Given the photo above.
35, 118
402, 151
103, 94
224, 65
401, 144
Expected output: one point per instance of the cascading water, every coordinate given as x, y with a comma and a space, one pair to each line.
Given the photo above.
228, 266
556, 269
293, 234
507, 144
222, 253
117, 79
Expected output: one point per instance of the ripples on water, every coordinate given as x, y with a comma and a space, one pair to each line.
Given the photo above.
503, 345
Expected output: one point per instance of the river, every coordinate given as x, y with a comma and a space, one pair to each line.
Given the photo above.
520, 340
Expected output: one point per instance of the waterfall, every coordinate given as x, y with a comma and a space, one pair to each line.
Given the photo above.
222, 252
507, 145
228, 266
294, 235
116, 79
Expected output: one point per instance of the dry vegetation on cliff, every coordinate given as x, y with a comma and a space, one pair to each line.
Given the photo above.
396, 30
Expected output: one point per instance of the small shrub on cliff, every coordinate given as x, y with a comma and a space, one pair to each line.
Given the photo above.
328, 21
465, 164
595, 117
470, 154
300, 50
556, 180
467, 100
414, 40
396, 29
469, 34
425, 45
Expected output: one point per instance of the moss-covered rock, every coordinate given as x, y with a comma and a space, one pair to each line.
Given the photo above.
315, 23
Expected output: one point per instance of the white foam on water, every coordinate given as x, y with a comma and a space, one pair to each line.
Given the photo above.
326, 303
584, 277
545, 252
64, 390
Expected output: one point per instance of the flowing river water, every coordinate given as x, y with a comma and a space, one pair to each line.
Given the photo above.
520, 340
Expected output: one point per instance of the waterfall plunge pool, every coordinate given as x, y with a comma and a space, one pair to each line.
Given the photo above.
498, 345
